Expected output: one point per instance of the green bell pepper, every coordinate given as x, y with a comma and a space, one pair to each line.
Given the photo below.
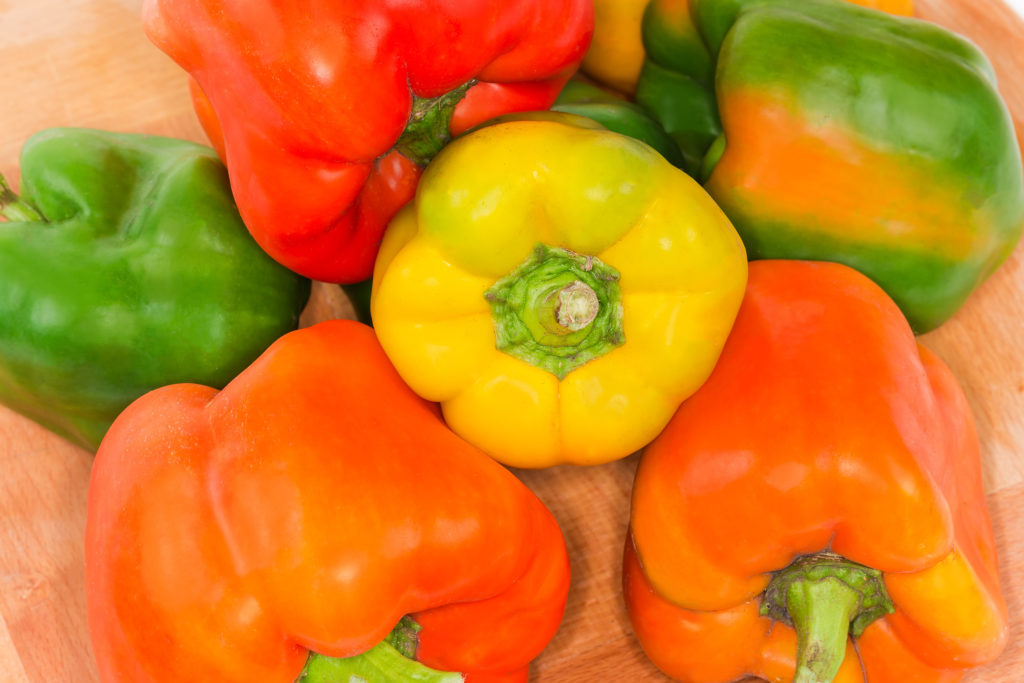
124, 266
833, 132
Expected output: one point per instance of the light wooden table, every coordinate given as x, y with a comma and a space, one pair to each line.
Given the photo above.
86, 63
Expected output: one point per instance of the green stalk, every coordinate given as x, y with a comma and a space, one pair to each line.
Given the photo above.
390, 661
429, 126
569, 309
825, 598
14, 208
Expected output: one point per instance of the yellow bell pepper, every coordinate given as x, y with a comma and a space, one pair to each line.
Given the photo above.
558, 289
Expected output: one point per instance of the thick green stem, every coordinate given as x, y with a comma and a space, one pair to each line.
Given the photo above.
14, 208
570, 308
821, 612
429, 126
557, 310
825, 598
390, 661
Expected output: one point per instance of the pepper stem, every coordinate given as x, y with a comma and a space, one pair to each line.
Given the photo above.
429, 126
390, 661
557, 310
825, 598
570, 309
14, 208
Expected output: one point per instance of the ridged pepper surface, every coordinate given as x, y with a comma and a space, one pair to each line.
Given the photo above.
325, 112
557, 288
825, 479
124, 266
315, 521
835, 132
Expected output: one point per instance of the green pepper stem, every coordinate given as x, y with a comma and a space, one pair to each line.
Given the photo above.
825, 598
429, 126
557, 310
14, 208
390, 661
821, 613
569, 309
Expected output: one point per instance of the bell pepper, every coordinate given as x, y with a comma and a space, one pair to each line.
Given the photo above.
557, 288
326, 112
825, 479
834, 132
315, 521
124, 266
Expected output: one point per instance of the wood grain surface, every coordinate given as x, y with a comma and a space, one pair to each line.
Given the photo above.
87, 63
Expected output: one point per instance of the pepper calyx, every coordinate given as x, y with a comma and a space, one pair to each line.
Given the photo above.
390, 660
557, 310
825, 597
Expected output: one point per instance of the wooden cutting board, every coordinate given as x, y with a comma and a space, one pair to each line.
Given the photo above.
86, 63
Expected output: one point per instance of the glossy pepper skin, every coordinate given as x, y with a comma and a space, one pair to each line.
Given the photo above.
124, 266
309, 506
824, 426
557, 288
616, 52
617, 114
834, 132
326, 111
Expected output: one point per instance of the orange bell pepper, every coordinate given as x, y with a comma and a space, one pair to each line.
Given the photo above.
307, 508
826, 478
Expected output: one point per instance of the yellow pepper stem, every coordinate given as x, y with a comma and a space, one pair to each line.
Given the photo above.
557, 310
825, 597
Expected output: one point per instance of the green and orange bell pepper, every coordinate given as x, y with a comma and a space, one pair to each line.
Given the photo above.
313, 521
825, 479
835, 132
557, 288
124, 266
325, 112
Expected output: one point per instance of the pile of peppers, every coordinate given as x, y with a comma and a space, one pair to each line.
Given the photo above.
702, 230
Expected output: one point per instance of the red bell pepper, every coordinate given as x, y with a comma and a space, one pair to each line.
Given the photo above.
308, 508
324, 112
